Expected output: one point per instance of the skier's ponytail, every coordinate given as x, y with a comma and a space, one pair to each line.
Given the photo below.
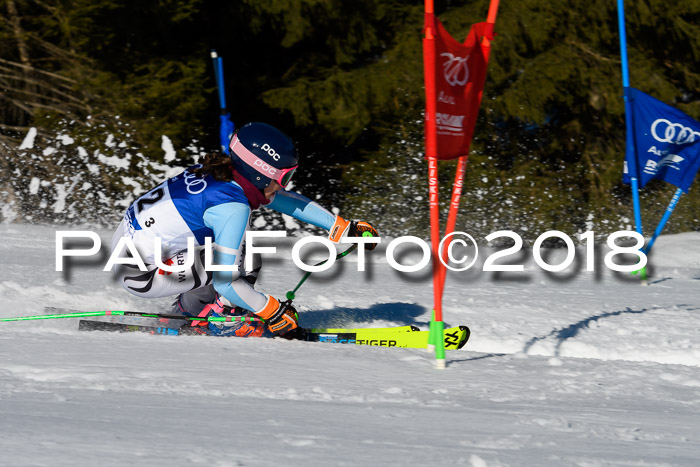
217, 165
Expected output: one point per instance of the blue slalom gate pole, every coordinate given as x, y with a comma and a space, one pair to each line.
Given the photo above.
629, 124
662, 223
628, 114
226, 126
219, 73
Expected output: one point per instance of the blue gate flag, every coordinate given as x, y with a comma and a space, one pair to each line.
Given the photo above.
666, 143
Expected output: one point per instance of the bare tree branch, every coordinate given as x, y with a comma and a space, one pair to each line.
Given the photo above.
18, 32
54, 75
59, 110
57, 51
56, 100
41, 84
14, 128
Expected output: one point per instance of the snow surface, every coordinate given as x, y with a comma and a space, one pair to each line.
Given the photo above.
572, 368
167, 146
28, 142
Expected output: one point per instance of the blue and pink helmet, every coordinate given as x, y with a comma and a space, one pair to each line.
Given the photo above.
261, 153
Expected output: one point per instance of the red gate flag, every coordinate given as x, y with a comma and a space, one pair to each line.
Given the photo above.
457, 86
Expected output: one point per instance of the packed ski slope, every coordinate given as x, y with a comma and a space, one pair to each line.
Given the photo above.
571, 368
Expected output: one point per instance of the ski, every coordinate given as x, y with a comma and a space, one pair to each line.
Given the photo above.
174, 327
87, 325
401, 336
409, 328
455, 338
174, 320
68, 313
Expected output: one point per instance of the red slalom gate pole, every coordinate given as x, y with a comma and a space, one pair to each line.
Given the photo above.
435, 340
462, 168
493, 12
436, 324
452, 217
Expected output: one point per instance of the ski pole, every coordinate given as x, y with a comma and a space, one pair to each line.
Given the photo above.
86, 314
290, 294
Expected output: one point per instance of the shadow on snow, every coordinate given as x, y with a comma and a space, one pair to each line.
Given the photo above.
400, 313
572, 330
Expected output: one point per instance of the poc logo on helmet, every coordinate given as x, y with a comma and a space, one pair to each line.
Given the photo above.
266, 147
265, 167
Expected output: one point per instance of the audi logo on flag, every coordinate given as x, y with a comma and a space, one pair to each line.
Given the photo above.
664, 131
455, 69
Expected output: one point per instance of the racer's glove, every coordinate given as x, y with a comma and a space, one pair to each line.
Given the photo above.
355, 228
281, 318
363, 229
285, 320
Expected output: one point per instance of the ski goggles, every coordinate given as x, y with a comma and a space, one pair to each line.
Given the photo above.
281, 176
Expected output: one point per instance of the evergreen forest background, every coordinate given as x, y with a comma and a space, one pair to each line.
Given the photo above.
122, 92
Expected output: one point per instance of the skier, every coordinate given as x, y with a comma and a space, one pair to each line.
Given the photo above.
215, 200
